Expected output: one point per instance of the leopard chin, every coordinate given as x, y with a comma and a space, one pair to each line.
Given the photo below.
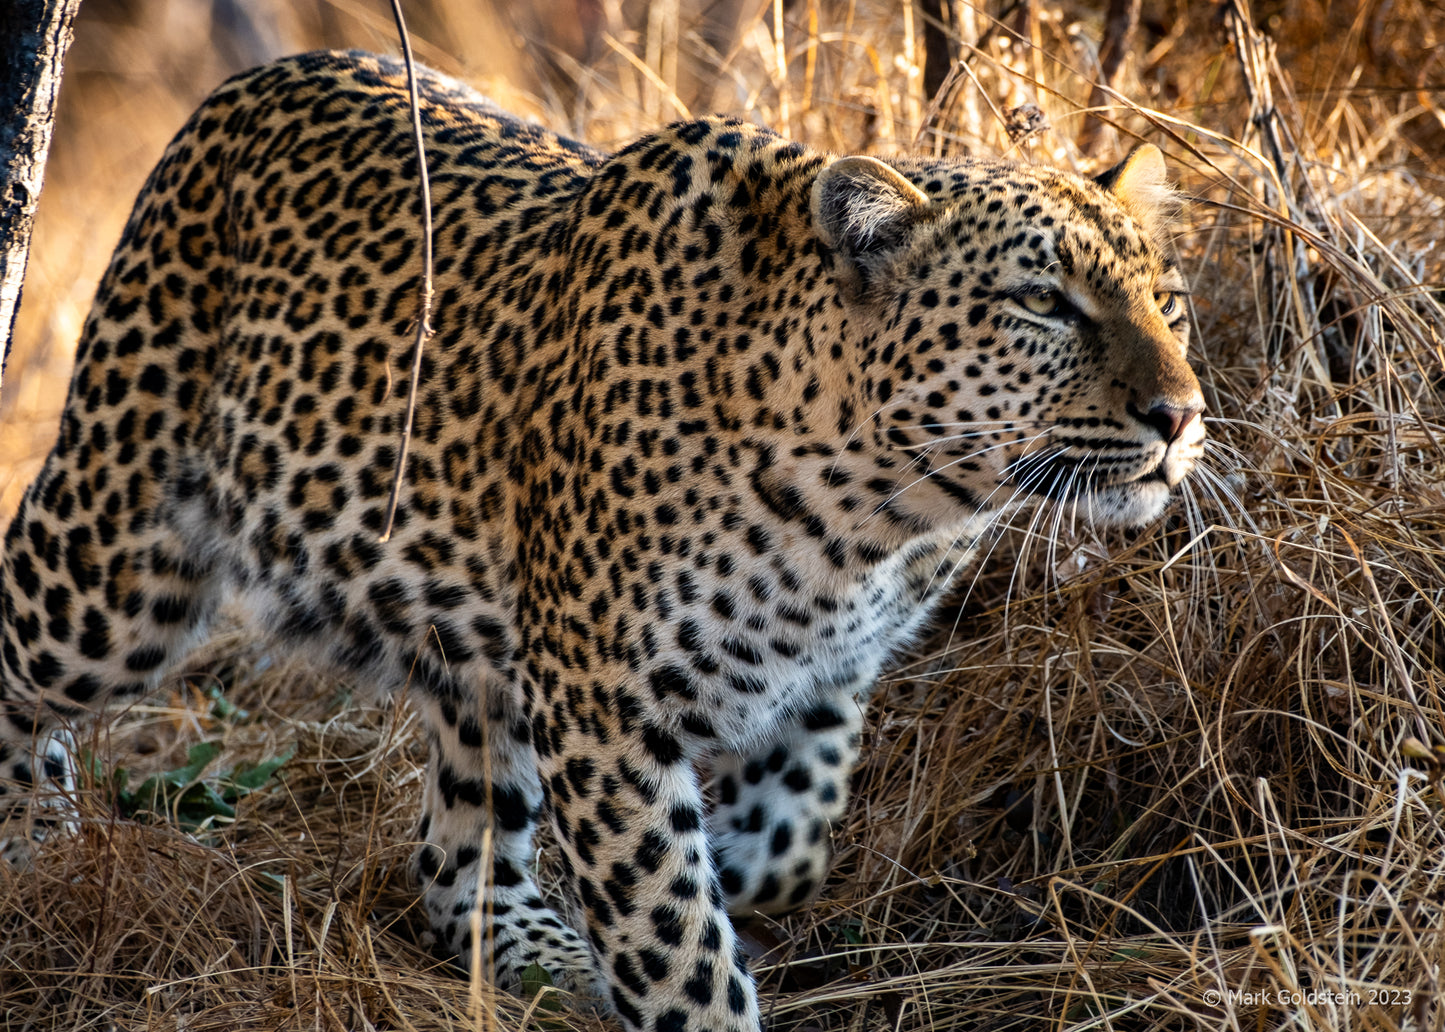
1142, 501
1126, 505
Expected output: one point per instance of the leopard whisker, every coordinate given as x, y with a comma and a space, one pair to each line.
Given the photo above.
899, 491
1224, 494
1022, 488
1030, 535
945, 439
998, 524
858, 429
995, 525
1194, 515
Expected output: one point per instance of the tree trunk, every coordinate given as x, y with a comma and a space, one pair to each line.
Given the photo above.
34, 36
1119, 26
938, 49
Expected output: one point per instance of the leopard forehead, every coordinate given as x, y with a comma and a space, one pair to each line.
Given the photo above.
1003, 229
1056, 216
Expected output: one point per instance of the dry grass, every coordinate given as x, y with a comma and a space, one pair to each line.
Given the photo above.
1185, 779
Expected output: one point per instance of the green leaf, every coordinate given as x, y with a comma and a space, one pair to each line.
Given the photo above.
534, 980
182, 796
197, 759
157, 791
245, 779
199, 805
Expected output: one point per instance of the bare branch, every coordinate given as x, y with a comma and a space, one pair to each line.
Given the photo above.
423, 316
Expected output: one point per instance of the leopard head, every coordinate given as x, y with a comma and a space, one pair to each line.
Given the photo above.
1020, 333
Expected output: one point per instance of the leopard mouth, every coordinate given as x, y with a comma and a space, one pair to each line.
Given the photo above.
1076, 469
1112, 491
1062, 476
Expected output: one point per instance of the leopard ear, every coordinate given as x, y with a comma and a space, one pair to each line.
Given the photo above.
1140, 184
864, 210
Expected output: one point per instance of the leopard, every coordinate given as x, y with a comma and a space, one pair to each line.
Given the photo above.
706, 430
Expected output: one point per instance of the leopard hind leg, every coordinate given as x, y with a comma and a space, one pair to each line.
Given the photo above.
37, 780
90, 619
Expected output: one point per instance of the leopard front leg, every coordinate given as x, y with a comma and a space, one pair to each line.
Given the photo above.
481, 774
628, 811
776, 804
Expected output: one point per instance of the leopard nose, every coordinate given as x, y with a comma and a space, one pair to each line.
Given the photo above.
1169, 420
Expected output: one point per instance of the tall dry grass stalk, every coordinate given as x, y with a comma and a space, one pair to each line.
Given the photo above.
1185, 779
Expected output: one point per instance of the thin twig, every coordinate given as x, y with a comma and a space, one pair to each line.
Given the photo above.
423, 320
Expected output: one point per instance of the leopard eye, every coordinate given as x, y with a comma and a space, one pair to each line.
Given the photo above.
1042, 302
1168, 302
